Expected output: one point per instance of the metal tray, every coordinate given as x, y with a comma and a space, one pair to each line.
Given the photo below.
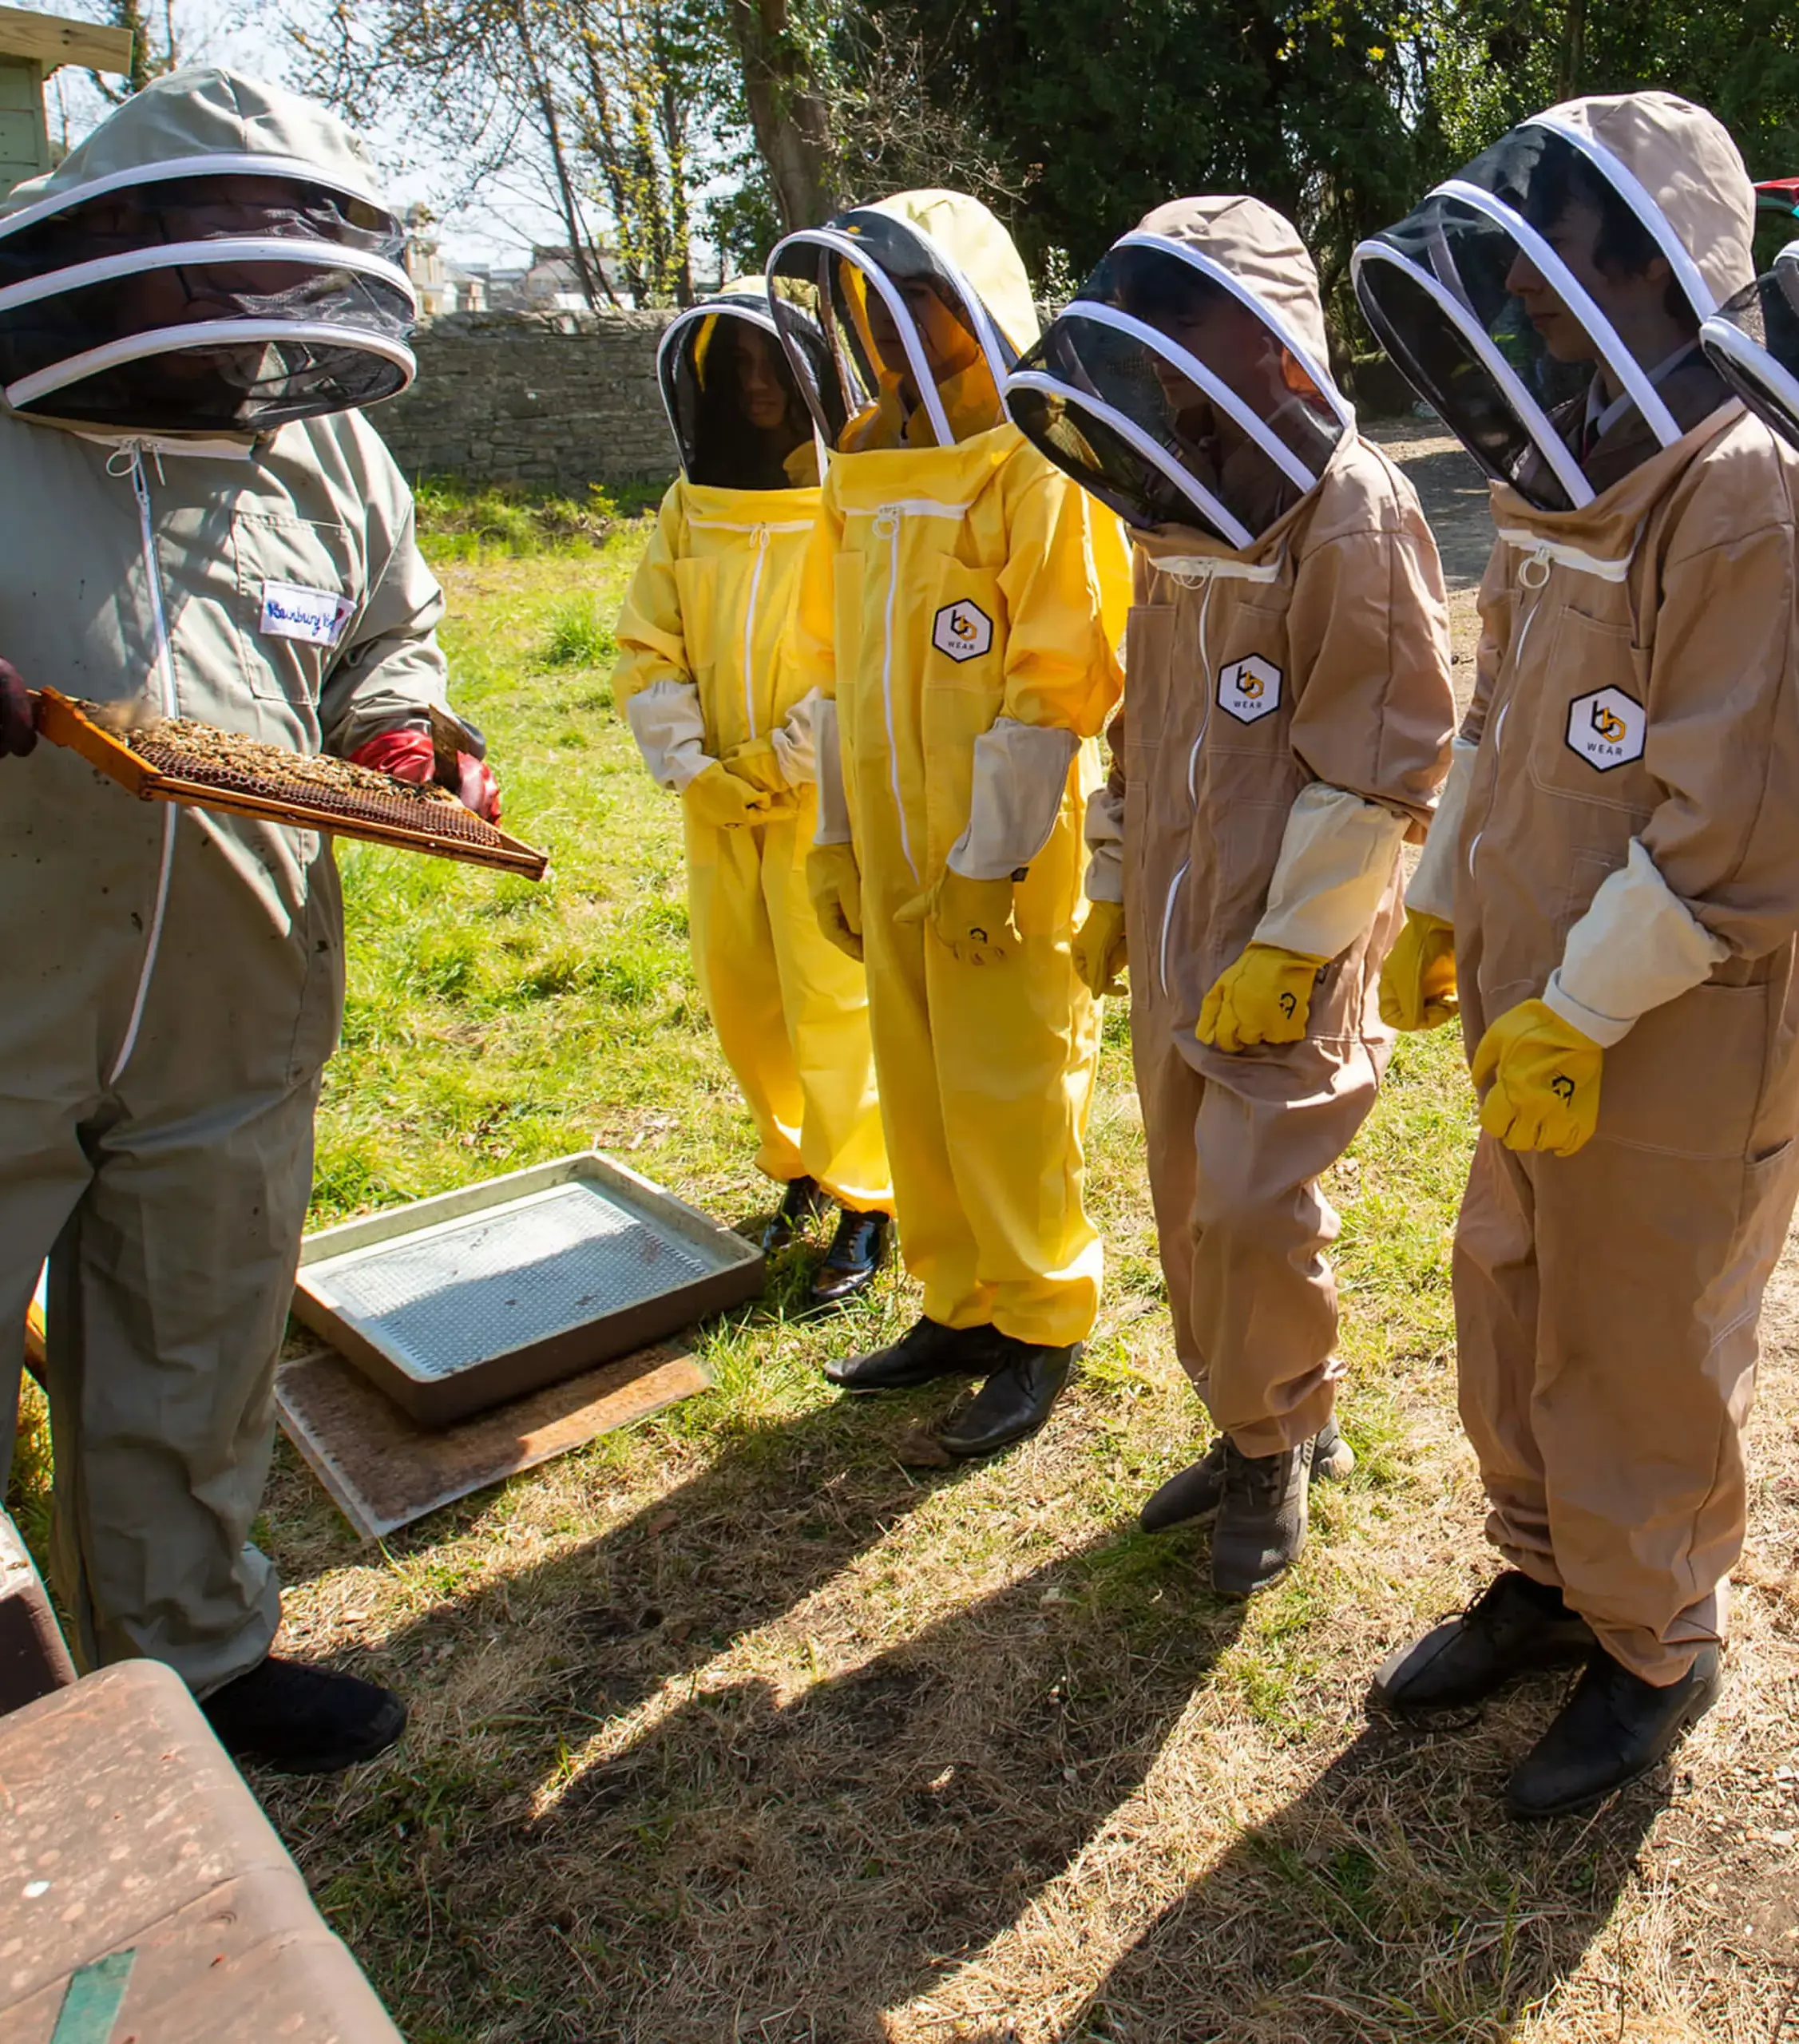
455, 1304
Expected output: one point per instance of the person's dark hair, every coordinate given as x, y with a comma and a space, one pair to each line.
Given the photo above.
1159, 288
1625, 247
730, 454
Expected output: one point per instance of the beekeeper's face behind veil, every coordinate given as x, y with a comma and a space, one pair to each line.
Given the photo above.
1547, 301
166, 278
740, 419
923, 305
1185, 385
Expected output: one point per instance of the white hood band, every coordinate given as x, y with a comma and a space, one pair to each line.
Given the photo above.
205, 333
293, 168
1635, 194
1530, 414
1209, 267
1226, 522
198, 255
1574, 295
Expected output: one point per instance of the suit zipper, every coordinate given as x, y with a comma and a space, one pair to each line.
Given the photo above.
749, 628
1540, 561
887, 523
1179, 880
133, 450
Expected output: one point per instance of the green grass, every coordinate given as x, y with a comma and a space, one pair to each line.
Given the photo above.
461, 521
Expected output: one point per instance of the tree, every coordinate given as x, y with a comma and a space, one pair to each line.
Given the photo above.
147, 61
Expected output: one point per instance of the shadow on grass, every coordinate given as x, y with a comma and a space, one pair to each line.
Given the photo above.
1391, 1900
525, 1872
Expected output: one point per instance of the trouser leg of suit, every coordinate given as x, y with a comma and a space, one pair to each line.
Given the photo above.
986, 1076
169, 1288
824, 999
734, 960
1236, 1148
1606, 1317
170, 1199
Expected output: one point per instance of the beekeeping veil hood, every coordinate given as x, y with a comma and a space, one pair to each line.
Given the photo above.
923, 305
740, 418
1187, 383
1752, 341
215, 257
1659, 178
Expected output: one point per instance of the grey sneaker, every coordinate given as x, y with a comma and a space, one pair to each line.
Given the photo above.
1194, 1492
1263, 1516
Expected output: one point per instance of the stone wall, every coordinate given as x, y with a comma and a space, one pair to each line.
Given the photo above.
552, 400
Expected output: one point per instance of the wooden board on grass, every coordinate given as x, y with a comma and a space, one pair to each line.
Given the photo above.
382, 1469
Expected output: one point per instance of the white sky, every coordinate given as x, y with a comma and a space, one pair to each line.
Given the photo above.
499, 228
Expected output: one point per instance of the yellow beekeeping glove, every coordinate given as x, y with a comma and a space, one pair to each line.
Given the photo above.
1545, 1076
720, 800
1098, 949
835, 882
972, 916
1265, 998
1418, 981
759, 763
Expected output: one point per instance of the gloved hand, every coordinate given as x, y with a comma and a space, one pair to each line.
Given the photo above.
1265, 998
1098, 949
835, 882
973, 917
1418, 981
1545, 1076
718, 798
408, 755
19, 713
759, 765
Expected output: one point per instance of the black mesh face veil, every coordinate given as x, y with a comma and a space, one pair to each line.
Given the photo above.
1491, 298
1173, 394
1752, 341
895, 316
740, 418
209, 301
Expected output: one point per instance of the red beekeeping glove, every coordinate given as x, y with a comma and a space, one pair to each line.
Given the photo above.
19, 713
409, 756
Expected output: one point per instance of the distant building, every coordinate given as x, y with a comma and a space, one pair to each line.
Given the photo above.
31, 47
442, 286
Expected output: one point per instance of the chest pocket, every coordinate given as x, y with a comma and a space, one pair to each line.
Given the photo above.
1586, 691
298, 599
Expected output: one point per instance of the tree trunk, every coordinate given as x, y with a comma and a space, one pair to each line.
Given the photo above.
787, 113
545, 98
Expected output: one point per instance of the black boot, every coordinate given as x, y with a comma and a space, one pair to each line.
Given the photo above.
858, 1251
1613, 1729
801, 1205
1516, 1626
1262, 1516
926, 1351
1013, 1402
299, 1720
1195, 1491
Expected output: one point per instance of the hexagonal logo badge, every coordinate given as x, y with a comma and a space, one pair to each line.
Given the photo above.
1249, 689
1606, 728
962, 630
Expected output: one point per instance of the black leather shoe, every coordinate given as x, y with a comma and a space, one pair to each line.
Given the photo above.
299, 1720
1613, 1729
926, 1350
1516, 1626
858, 1251
801, 1205
1013, 1402
1195, 1491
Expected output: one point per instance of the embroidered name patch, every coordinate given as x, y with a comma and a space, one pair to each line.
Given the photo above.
1249, 688
314, 616
963, 631
1607, 728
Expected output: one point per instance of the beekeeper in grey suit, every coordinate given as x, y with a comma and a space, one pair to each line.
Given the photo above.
195, 521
